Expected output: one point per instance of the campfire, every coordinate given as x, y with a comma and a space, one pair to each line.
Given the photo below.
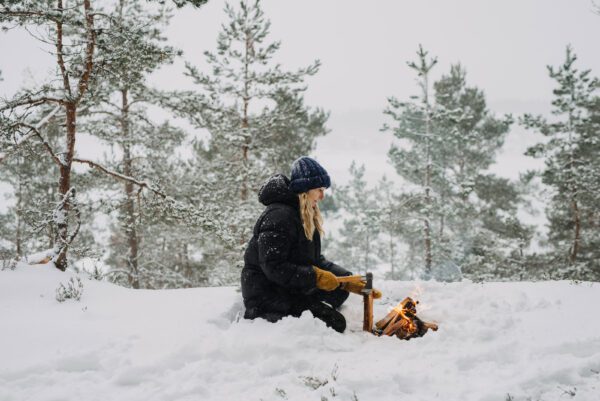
403, 322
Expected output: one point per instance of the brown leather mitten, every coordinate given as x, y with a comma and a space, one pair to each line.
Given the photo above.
326, 280
357, 288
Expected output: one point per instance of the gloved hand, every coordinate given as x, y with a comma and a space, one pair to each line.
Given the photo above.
356, 287
326, 280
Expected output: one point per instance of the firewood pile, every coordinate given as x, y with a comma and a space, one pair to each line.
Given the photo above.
403, 322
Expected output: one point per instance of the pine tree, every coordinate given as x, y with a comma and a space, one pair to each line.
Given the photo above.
358, 247
118, 115
447, 140
257, 123
31, 172
241, 76
73, 34
415, 121
390, 218
95, 52
25, 224
478, 231
292, 131
571, 168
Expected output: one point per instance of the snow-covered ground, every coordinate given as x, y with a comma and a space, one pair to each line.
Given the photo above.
497, 341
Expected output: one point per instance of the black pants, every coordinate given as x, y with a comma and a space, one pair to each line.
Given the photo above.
322, 305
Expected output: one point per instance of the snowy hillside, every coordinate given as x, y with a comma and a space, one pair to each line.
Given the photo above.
497, 341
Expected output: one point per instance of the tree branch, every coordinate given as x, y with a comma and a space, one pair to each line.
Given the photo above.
27, 13
28, 101
141, 184
36, 132
33, 131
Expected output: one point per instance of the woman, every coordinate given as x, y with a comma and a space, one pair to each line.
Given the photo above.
284, 272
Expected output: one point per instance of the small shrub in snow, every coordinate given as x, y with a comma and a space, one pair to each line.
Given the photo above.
96, 273
73, 290
281, 392
569, 391
314, 382
7, 260
8, 264
335, 372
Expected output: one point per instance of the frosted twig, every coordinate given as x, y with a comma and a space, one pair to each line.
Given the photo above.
33, 131
142, 184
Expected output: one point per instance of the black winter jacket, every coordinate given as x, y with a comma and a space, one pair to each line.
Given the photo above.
278, 260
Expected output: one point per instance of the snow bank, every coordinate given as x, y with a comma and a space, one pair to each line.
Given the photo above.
496, 340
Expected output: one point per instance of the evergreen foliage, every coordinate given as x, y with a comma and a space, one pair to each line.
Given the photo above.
446, 141
257, 123
180, 207
572, 169
142, 148
356, 247
72, 34
102, 58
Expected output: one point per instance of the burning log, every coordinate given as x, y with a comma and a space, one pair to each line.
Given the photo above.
402, 321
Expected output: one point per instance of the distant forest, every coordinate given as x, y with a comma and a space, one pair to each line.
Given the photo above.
164, 209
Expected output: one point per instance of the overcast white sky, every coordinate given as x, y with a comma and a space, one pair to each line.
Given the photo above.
364, 46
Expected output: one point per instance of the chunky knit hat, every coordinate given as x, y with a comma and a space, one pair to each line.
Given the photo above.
308, 174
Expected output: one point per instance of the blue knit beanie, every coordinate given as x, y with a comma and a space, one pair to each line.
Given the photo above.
308, 174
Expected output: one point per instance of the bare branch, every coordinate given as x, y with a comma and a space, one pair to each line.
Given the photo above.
33, 131
36, 132
29, 101
141, 184
28, 13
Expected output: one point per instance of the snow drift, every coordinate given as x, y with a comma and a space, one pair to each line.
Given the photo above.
497, 341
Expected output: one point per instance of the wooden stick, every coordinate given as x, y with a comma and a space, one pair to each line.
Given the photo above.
431, 326
368, 312
351, 279
388, 329
384, 322
393, 328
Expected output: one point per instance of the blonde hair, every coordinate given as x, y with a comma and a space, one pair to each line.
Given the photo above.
311, 217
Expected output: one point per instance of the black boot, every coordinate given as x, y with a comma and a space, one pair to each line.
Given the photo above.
330, 316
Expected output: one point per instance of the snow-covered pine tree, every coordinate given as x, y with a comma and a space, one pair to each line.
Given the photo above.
292, 131
25, 225
31, 172
118, 115
447, 142
413, 159
476, 230
357, 247
390, 218
571, 168
88, 46
72, 34
257, 123
242, 76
